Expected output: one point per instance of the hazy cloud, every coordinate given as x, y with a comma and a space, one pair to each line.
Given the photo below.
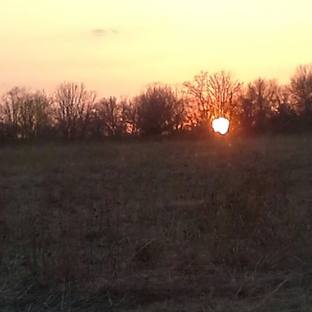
99, 32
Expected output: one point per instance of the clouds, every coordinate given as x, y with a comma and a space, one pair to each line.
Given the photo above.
98, 32
101, 32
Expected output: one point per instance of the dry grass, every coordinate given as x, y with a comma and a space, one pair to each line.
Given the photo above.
221, 225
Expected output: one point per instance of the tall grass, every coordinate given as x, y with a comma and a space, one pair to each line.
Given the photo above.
130, 224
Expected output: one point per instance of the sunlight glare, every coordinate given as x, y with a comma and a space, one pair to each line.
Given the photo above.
221, 125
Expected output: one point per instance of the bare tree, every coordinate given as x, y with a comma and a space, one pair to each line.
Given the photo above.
224, 92
26, 113
210, 96
284, 96
301, 88
35, 114
263, 93
112, 116
130, 115
197, 96
159, 110
10, 110
74, 107
284, 117
262, 97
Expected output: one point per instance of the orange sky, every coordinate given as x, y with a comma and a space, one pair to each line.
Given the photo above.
117, 46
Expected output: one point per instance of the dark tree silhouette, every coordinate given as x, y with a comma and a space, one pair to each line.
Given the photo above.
130, 115
112, 117
197, 95
26, 114
160, 111
224, 92
261, 99
211, 96
301, 89
74, 108
72, 111
10, 111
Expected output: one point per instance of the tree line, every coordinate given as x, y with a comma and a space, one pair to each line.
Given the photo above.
73, 112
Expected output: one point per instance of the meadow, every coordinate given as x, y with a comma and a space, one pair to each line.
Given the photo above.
222, 224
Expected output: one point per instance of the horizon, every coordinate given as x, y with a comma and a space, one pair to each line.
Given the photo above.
117, 48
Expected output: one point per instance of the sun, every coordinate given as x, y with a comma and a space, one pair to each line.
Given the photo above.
221, 125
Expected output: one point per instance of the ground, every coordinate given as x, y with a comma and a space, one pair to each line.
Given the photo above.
221, 224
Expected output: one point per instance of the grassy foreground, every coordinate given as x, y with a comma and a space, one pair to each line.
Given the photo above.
216, 225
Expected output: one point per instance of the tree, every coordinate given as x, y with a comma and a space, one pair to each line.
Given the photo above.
159, 110
246, 114
130, 115
198, 98
26, 114
211, 96
10, 110
35, 115
74, 107
301, 89
261, 98
112, 116
224, 92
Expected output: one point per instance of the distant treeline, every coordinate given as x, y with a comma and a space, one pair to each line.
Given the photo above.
73, 113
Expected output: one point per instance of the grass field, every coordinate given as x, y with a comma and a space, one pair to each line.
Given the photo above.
216, 225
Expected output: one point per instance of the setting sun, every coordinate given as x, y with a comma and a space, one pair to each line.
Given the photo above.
221, 125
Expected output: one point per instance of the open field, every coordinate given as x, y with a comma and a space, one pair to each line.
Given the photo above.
216, 225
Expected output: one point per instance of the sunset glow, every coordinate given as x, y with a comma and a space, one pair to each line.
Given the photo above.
118, 47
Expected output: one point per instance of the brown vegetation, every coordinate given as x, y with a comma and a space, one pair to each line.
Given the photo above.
216, 225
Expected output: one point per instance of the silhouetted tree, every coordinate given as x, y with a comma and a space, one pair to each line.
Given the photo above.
160, 111
112, 116
197, 95
287, 119
211, 96
72, 112
224, 92
74, 108
246, 115
36, 115
26, 114
261, 98
10, 110
301, 89
130, 115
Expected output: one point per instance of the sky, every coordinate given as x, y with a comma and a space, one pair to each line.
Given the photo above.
117, 47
